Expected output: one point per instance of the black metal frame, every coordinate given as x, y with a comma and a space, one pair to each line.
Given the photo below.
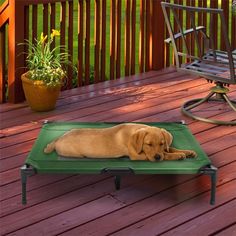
212, 172
209, 63
28, 170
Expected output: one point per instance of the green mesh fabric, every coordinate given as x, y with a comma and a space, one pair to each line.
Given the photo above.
52, 163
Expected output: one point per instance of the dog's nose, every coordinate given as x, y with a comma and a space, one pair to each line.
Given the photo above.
158, 157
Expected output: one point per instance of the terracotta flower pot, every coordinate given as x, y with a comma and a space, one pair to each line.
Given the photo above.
39, 96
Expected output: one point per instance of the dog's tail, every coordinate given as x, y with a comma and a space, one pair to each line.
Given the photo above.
50, 147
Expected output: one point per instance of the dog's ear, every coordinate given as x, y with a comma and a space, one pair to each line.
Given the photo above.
137, 139
168, 138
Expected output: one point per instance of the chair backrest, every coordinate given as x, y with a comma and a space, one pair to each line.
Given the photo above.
194, 45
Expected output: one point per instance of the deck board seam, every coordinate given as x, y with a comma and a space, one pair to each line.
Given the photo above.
101, 103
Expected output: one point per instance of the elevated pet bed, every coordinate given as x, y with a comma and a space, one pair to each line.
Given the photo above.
41, 163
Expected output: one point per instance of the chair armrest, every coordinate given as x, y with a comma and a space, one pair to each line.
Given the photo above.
188, 31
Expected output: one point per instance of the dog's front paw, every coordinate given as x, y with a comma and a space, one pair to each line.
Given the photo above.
182, 156
191, 154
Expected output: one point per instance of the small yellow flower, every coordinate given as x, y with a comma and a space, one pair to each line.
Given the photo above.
55, 33
43, 38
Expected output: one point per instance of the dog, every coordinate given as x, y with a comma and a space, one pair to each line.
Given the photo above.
138, 141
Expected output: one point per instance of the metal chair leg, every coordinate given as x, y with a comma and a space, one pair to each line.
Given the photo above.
230, 102
198, 102
187, 106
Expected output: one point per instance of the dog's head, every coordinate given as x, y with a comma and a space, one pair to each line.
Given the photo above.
152, 141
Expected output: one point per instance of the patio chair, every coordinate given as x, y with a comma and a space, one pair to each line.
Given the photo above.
196, 52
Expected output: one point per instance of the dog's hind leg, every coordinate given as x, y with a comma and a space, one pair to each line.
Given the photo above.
50, 147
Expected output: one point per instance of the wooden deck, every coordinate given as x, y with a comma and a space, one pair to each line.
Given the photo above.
145, 205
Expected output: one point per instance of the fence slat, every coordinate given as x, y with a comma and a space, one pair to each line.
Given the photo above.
63, 30
80, 41
63, 24
45, 19
213, 31
70, 45
97, 40
26, 31
118, 39
34, 22
225, 7
233, 31
15, 56
2, 64
103, 43
147, 37
133, 36
87, 43
52, 21
158, 24
112, 39
141, 36
127, 37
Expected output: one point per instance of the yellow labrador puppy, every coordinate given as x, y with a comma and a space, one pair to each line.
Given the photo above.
138, 141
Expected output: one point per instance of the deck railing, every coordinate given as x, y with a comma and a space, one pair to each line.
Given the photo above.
106, 39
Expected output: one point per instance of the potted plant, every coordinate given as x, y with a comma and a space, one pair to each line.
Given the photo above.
45, 76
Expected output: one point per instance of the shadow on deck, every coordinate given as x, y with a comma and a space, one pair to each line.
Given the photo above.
145, 205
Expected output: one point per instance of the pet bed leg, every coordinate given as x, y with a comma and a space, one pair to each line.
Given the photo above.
212, 171
213, 186
23, 184
25, 172
117, 182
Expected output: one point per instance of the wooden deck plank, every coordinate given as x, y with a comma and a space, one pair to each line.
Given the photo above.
97, 207
101, 112
14, 189
108, 96
94, 88
178, 214
230, 230
128, 195
152, 96
52, 207
227, 210
51, 190
140, 209
66, 186
106, 100
82, 101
